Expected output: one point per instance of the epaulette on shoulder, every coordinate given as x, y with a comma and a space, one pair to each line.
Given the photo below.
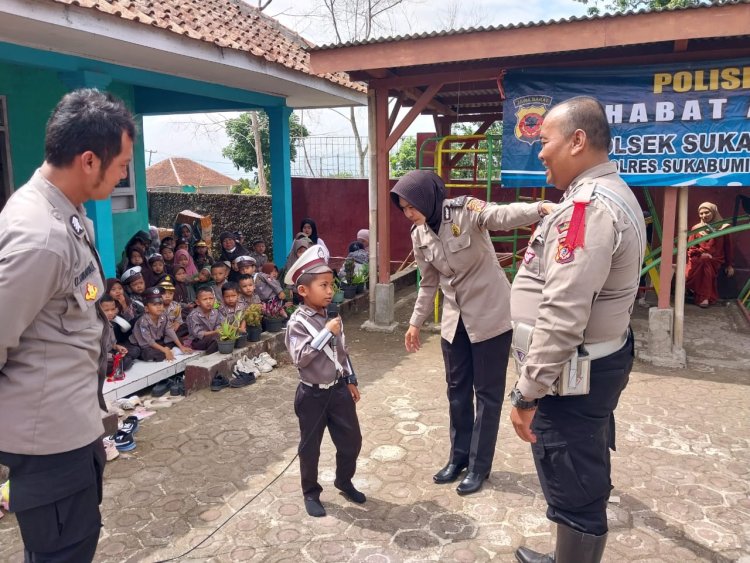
459, 201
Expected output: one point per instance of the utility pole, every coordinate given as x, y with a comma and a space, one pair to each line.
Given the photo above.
150, 152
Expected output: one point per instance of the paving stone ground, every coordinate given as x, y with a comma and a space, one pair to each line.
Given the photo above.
214, 477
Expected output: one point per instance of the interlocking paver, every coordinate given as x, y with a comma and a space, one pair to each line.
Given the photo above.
681, 471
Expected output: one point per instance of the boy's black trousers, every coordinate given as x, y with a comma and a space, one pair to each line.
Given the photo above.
318, 409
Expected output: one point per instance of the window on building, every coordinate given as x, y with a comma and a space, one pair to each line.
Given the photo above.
123, 196
6, 172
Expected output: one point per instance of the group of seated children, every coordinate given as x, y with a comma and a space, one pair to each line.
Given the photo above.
159, 309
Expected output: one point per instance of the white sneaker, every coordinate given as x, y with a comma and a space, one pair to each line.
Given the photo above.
247, 365
110, 449
268, 359
262, 365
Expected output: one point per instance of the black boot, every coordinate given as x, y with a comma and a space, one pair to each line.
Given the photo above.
576, 547
571, 547
449, 473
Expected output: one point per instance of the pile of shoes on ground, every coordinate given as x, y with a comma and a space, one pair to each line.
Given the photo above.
245, 372
123, 440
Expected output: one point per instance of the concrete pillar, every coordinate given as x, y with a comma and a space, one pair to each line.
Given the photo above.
385, 305
660, 350
281, 181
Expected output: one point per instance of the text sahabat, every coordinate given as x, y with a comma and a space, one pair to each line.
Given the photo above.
689, 110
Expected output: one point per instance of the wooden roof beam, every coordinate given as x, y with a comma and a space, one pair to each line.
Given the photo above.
630, 29
409, 118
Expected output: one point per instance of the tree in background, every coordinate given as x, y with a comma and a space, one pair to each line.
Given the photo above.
596, 7
405, 158
242, 147
245, 187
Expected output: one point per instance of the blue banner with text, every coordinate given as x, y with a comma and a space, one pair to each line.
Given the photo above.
672, 125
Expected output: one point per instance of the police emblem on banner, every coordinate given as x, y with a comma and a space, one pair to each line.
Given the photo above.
530, 112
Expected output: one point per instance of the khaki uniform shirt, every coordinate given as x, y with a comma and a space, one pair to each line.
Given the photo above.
583, 296
245, 301
146, 331
462, 260
231, 314
314, 365
174, 312
266, 287
199, 324
51, 332
260, 259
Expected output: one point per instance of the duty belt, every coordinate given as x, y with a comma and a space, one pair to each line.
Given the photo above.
323, 385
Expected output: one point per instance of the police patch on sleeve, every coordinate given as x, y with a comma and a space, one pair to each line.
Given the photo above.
476, 205
565, 254
75, 222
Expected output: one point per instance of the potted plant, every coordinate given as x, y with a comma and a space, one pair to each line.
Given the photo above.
338, 293
349, 288
359, 282
227, 337
273, 316
365, 271
253, 319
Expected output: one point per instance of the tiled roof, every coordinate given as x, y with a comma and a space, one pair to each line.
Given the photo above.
174, 172
450, 32
230, 24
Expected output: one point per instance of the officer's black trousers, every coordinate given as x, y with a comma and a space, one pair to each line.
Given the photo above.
318, 409
574, 435
56, 500
475, 370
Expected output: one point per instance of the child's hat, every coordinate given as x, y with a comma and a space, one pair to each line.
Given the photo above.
257, 241
155, 257
153, 295
244, 261
201, 244
166, 284
312, 261
131, 274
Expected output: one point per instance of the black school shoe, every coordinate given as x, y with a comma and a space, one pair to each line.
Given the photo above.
124, 441
314, 507
219, 382
177, 386
161, 388
351, 493
130, 425
242, 379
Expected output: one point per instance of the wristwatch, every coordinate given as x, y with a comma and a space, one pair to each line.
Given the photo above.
516, 399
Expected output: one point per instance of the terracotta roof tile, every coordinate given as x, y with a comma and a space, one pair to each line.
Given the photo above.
229, 24
184, 172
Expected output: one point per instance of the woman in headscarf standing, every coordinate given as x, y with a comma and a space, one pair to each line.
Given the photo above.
310, 229
706, 259
453, 250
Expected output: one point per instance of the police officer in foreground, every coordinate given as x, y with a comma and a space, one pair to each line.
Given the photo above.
570, 304
51, 360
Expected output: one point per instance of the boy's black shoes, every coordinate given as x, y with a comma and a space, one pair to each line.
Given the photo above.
177, 386
242, 379
314, 507
351, 493
161, 388
471, 483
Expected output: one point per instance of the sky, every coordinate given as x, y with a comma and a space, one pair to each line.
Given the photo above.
201, 137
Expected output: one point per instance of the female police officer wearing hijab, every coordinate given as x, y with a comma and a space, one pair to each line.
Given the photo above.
452, 247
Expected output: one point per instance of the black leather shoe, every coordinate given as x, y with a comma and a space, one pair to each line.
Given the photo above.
471, 483
449, 473
526, 555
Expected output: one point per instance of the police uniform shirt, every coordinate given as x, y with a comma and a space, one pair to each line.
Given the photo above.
245, 301
199, 324
590, 290
174, 312
314, 365
147, 332
462, 260
260, 259
231, 314
266, 287
51, 333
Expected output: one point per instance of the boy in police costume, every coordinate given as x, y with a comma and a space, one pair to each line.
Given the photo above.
327, 392
153, 332
570, 304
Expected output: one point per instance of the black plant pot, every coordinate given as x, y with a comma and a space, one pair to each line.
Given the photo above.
349, 291
359, 288
274, 325
253, 333
226, 346
241, 341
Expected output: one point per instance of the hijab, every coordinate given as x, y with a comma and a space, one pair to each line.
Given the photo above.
180, 289
314, 235
190, 269
302, 242
715, 215
424, 190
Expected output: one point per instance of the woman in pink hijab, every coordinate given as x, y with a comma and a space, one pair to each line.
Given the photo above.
182, 258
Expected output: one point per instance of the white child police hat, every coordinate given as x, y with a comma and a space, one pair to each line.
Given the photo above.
313, 261
244, 261
131, 274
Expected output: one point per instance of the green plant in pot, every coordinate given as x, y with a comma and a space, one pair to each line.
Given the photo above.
349, 288
273, 316
338, 292
253, 320
359, 280
228, 333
